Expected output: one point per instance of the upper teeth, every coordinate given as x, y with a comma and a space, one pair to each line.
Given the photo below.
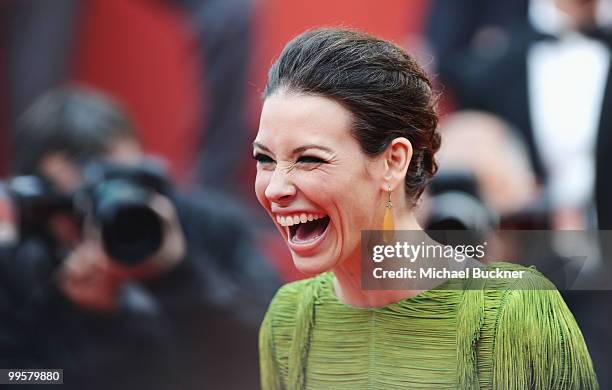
290, 220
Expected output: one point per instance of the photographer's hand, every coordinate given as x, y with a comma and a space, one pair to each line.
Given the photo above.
9, 233
91, 279
86, 280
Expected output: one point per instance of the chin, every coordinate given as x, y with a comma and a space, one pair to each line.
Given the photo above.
313, 265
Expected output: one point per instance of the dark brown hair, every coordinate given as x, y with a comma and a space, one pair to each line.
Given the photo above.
383, 87
75, 120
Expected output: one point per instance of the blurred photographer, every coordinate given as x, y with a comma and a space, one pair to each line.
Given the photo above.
110, 273
487, 185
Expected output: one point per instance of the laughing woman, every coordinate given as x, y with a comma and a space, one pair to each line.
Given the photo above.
349, 123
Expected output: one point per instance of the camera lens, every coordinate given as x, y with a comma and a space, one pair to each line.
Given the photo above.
132, 234
131, 230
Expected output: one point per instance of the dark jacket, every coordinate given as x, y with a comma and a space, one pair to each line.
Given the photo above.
190, 328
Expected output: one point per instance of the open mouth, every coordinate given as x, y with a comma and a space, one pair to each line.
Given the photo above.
309, 231
305, 228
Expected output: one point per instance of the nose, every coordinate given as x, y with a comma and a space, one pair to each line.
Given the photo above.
280, 189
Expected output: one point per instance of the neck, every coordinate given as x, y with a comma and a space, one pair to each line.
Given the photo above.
347, 281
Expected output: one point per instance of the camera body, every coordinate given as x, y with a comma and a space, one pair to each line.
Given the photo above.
457, 204
458, 214
115, 198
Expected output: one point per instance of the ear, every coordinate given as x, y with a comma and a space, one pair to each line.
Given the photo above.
396, 162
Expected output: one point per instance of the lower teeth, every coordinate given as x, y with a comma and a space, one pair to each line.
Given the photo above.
309, 231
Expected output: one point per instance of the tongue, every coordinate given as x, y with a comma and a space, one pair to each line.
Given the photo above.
310, 230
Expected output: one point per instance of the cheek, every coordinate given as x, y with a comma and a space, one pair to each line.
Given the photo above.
318, 188
261, 183
346, 189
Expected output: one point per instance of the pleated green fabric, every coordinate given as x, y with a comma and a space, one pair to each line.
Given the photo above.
465, 334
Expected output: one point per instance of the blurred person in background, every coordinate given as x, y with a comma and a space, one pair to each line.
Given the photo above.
457, 30
223, 29
508, 194
550, 80
185, 316
489, 188
483, 187
497, 158
219, 34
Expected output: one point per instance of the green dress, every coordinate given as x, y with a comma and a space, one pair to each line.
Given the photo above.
464, 334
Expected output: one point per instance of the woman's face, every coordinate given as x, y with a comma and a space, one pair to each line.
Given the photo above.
314, 181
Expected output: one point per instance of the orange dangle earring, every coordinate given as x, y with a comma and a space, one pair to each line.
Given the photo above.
388, 225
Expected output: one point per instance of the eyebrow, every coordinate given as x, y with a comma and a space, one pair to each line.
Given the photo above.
261, 146
311, 146
296, 150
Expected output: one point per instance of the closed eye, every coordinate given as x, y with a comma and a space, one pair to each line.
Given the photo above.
311, 160
262, 158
